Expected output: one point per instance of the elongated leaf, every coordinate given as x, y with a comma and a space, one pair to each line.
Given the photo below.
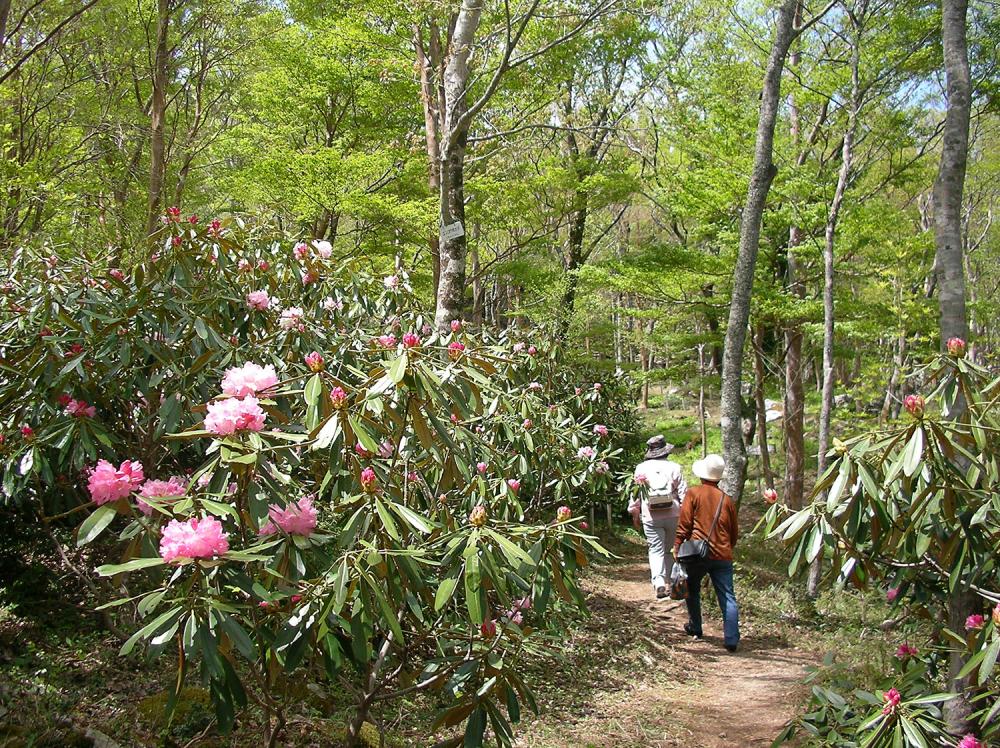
914, 452
109, 570
95, 524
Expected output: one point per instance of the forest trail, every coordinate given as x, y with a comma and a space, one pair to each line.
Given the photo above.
655, 686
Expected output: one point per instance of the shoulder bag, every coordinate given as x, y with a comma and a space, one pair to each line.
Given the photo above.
691, 551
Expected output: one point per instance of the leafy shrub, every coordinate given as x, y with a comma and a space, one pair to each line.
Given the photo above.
916, 507
306, 480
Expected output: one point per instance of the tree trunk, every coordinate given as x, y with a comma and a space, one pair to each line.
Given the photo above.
454, 134
157, 116
948, 188
897, 372
758, 392
432, 125
746, 260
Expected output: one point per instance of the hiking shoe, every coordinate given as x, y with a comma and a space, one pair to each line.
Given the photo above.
689, 630
661, 592
731, 647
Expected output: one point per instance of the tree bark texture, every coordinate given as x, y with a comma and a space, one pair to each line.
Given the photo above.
157, 117
763, 174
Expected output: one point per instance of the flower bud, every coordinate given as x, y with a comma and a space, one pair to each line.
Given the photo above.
914, 405
770, 495
315, 361
477, 517
488, 629
956, 347
563, 513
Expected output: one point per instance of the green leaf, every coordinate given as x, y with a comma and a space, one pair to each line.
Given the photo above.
387, 521
989, 661
94, 524
109, 570
473, 593
913, 452
445, 591
314, 388
397, 370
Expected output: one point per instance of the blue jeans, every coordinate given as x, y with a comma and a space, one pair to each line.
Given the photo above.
721, 573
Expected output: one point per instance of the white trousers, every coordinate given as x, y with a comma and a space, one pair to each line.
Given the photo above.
660, 537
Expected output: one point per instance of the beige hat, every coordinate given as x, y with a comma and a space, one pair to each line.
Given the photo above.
710, 467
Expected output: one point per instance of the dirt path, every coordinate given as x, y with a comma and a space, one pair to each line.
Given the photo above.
644, 683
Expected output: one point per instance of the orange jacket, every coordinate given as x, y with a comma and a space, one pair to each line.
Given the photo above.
697, 513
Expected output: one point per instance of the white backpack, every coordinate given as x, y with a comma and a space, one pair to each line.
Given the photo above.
662, 483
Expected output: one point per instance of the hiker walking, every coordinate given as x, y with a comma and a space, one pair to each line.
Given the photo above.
658, 511
706, 533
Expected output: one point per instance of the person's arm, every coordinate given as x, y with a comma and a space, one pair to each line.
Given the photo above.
635, 510
685, 525
682, 486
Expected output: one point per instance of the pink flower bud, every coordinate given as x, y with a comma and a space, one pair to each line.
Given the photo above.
456, 325
27, 432
891, 594
412, 476
301, 251
601, 430
263, 265
368, 480
411, 340
641, 480
477, 517
527, 423
563, 513
387, 341
514, 485
996, 616
584, 525
455, 350
892, 698
488, 629
975, 622
193, 219
905, 651
176, 240
532, 350
174, 213
117, 274
338, 398
361, 452
770, 495
971, 741
315, 361
482, 467
295, 599
956, 347
914, 405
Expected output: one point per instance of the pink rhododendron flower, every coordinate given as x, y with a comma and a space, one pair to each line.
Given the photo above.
244, 265
891, 594
914, 405
117, 274
391, 282
301, 251
323, 248
160, 489
411, 340
368, 480
584, 526
27, 432
514, 484
454, 418
996, 616
455, 350
315, 361
905, 650
204, 480
387, 341
332, 305
517, 347
44, 332
770, 495
263, 265
295, 599
477, 517
641, 480
892, 698
64, 399
523, 604
248, 379
956, 347
214, 227
601, 430
385, 449
456, 325
107, 483
309, 277
532, 350
563, 513
974, 622
971, 741
598, 386
516, 617
298, 518
585, 453
176, 241
412, 476
482, 467
535, 386
174, 213
226, 417
361, 452
338, 398
601, 467
488, 629
527, 423
258, 300
577, 390
426, 330
193, 219
80, 409
291, 319
195, 538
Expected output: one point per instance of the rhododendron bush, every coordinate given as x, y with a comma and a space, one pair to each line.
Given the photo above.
915, 509
303, 479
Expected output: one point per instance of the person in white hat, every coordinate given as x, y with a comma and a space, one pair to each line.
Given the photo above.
709, 514
656, 513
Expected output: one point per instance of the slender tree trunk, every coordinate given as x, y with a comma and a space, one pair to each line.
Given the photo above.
454, 136
897, 372
157, 117
746, 260
758, 392
701, 399
427, 63
948, 188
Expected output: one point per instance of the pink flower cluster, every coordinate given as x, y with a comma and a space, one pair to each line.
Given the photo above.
338, 398
368, 480
80, 409
563, 513
914, 405
315, 361
906, 650
601, 430
258, 300
892, 698
770, 495
411, 340
291, 319
455, 350
515, 614
971, 741
298, 518
585, 453
975, 622
160, 489
107, 483
387, 341
226, 417
248, 379
956, 347
195, 538
514, 485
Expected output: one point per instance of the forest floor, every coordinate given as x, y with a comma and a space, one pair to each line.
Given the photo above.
633, 678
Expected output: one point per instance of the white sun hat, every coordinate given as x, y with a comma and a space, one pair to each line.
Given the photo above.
710, 467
